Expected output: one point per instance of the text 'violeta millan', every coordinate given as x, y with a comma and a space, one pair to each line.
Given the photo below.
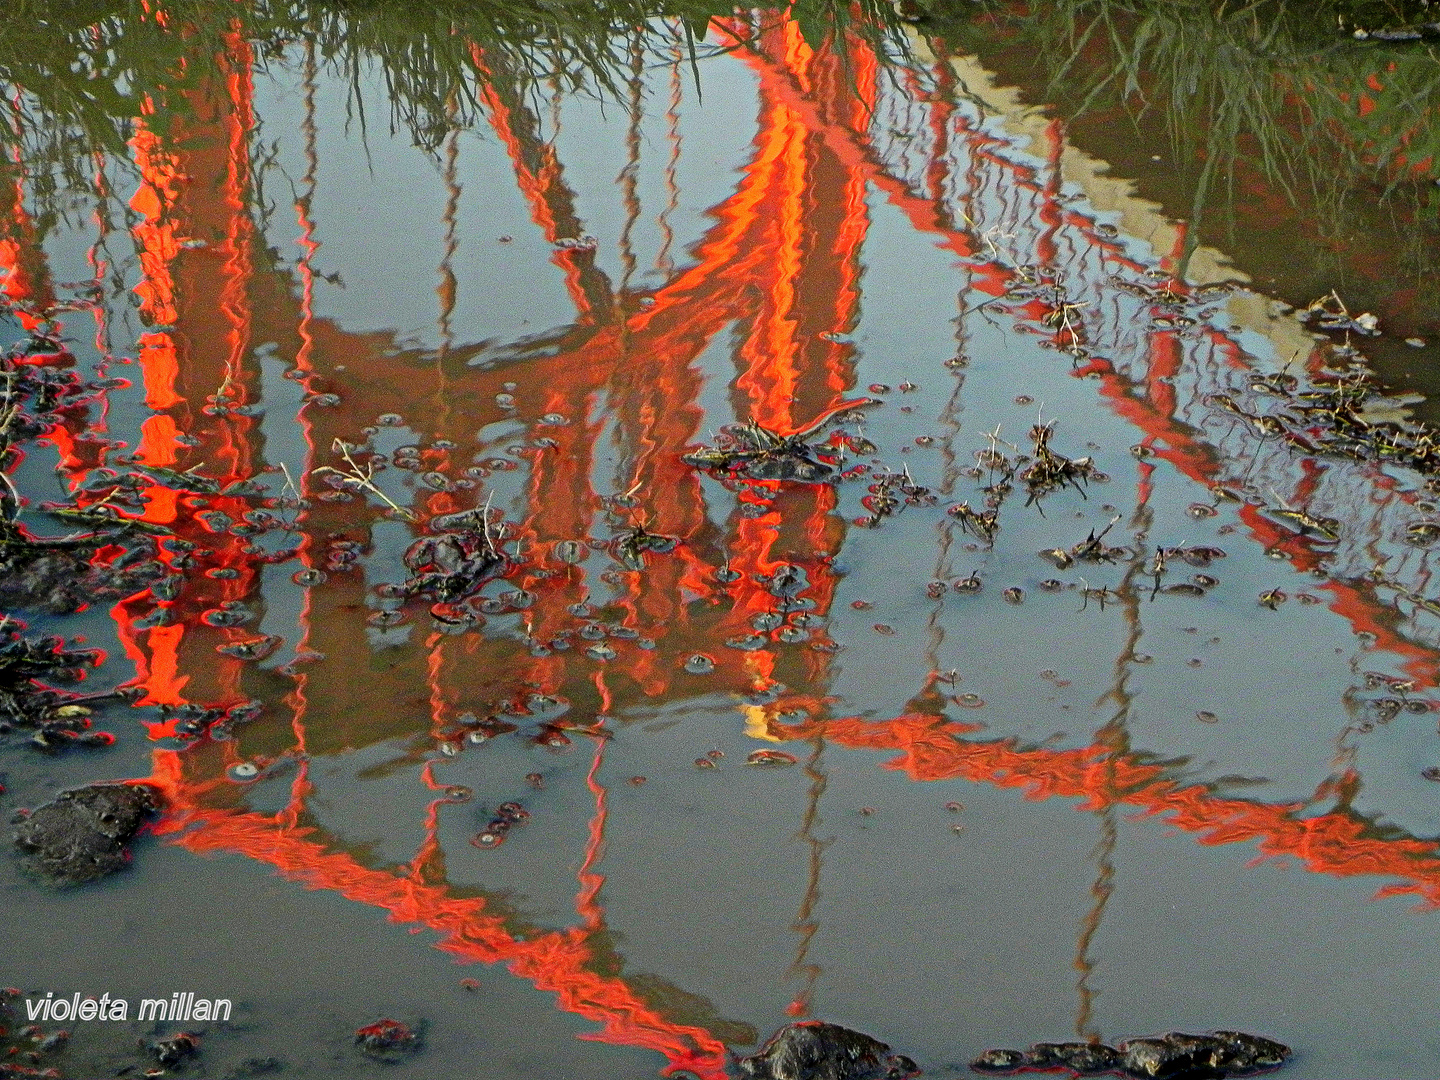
182, 1005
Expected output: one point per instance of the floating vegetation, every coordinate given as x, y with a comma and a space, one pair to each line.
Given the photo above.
1049, 471
750, 451
631, 546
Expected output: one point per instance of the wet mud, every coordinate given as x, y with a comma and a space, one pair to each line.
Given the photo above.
815, 1050
82, 835
1174, 1055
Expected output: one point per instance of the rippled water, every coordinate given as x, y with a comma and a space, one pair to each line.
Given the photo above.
1005, 800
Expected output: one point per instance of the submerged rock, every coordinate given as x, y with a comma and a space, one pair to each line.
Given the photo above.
81, 835
818, 1051
1175, 1056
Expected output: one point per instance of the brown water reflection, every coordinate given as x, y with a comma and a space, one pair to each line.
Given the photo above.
574, 433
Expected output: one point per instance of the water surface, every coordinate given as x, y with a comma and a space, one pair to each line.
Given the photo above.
1111, 808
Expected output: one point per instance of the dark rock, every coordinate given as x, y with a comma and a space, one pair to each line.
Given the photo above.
81, 835
818, 1051
1175, 1056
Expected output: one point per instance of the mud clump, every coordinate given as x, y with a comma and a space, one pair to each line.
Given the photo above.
454, 562
82, 834
814, 1050
385, 1037
1174, 1056
175, 1050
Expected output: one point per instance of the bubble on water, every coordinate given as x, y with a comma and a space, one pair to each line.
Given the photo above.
309, 576
245, 770
571, 552
600, 652
969, 701
222, 617
554, 419
384, 619
700, 664
747, 643
771, 758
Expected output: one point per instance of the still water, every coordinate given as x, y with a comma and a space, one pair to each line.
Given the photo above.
1143, 750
